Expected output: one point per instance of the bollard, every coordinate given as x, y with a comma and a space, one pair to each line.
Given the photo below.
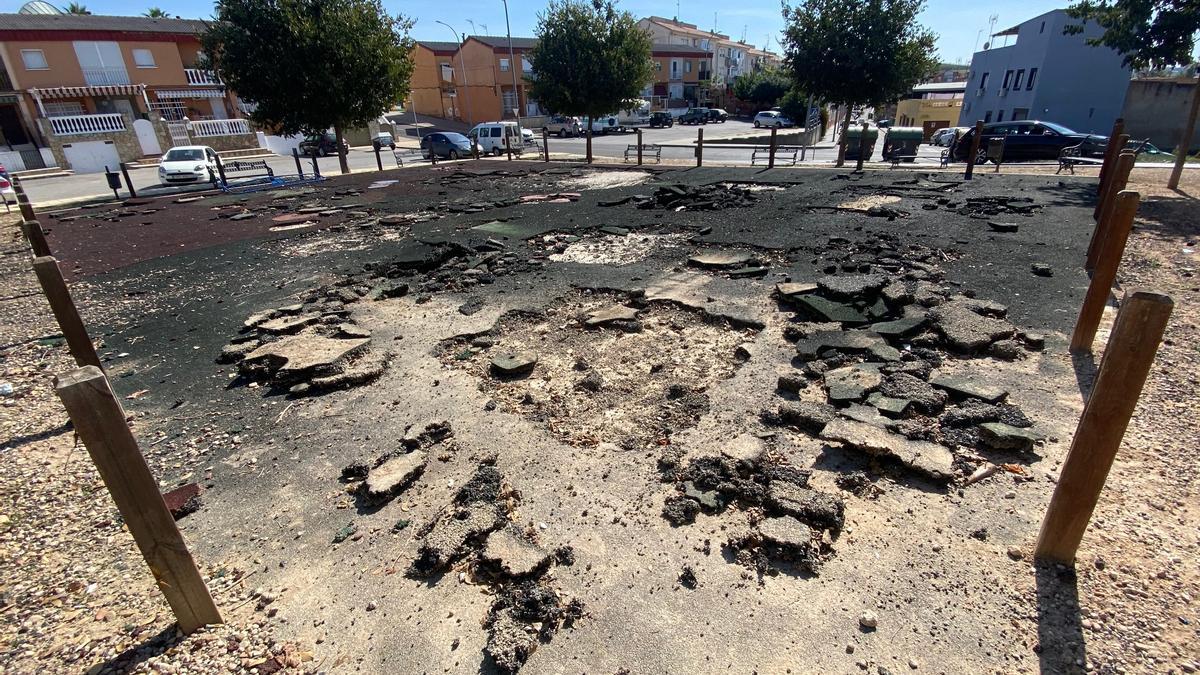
507, 145
639, 142
99, 421
299, 166
23, 203
1107, 262
699, 147
974, 150
221, 172
1110, 155
1119, 179
1127, 359
589, 141
63, 307
1105, 190
546, 143
771, 154
378, 161
32, 230
316, 167
862, 147
128, 181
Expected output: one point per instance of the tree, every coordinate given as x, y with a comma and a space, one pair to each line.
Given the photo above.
590, 59
850, 52
76, 8
764, 88
311, 65
156, 12
1149, 34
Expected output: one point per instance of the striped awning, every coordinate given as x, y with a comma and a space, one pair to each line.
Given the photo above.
96, 90
189, 93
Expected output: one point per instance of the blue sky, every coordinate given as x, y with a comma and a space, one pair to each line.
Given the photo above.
957, 23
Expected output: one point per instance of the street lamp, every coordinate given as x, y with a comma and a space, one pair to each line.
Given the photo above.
513, 61
462, 64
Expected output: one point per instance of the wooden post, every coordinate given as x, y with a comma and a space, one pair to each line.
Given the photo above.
22, 199
974, 150
36, 238
1107, 262
699, 147
546, 143
639, 142
589, 141
378, 159
1105, 190
100, 423
64, 310
508, 145
128, 180
299, 167
771, 154
1120, 178
1123, 370
862, 147
1110, 155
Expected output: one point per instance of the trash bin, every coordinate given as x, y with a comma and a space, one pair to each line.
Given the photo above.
902, 142
852, 136
995, 150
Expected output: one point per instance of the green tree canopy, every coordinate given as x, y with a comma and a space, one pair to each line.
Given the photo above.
76, 8
762, 87
590, 59
156, 12
310, 65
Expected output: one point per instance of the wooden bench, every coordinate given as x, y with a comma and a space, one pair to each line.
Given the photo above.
407, 154
651, 151
1072, 156
895, 160
783, 153
245, 168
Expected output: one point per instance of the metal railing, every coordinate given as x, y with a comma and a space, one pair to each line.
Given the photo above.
74, 125
105, 76
235, 127
202, 78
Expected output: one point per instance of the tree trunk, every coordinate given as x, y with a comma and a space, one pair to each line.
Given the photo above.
841, 160
1185, 141
589, 141
337, 135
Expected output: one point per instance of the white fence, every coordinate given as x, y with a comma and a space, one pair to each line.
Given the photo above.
195, 77
206, 128
74, 125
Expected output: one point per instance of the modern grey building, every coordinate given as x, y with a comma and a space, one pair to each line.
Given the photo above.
1047, 75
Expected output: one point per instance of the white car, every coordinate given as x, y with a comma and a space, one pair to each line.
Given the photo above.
772, 118
188, 164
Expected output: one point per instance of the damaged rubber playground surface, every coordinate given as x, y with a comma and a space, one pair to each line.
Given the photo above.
547, 419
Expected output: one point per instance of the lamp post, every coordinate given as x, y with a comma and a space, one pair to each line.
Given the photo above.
513, 61
462, 64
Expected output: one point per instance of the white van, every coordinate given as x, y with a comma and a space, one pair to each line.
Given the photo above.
601, 125
490, 137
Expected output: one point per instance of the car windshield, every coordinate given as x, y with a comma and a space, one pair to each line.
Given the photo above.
456, 138
184, 155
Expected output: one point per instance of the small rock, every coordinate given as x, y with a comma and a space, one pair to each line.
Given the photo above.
868, 620
1015, 552
1042, 269
518, 363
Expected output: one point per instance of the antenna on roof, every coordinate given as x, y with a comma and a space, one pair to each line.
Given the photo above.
745, 27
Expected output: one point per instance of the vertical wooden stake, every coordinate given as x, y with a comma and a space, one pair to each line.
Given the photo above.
1107, 262
507, 145
1110, 155
378, 159
299, 167
100, 422
32, 230
771, 154
22, 199
64, 310
699, 147
974, 150
1123, 370
862, 147
546, 143
639, 142
129, 181
1105, 191
1120, 178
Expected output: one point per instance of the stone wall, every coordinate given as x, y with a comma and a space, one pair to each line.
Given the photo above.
126, 142
1157, 109
225, 143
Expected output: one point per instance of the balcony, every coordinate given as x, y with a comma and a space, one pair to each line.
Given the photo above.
201, 78
97, 77
209, 128
76, 125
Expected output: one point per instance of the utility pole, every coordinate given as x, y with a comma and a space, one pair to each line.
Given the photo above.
460, 98
513, 65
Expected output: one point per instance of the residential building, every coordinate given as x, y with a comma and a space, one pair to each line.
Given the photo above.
1048, 75
722, 53
931, 106
99, 90
679, 74
1156, 108
433, 83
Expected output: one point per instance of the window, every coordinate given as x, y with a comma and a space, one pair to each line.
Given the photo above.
658, 66
1017, 79
504, 65
1000, 117
987, 117
495, 132
983, 81
526, 66
62, 108
144, 58
35, 59
1032, 79
1043, 28
1007, 79
687, 66
1020, 114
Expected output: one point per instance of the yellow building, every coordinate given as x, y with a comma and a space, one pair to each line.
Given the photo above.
931, 106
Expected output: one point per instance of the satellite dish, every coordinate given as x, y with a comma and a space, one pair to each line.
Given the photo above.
986, 46
38, 7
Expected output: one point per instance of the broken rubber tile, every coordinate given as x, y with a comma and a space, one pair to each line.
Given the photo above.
1001, 436
518, 363
610, 314
929, 458
721, 259
964, 387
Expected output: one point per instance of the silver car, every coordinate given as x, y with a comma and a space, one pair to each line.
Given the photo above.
563, 126
772, 118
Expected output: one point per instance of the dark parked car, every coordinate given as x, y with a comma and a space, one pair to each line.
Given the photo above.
694, 116
324, 145
661, 119
717, 115
446, 144
1029, 139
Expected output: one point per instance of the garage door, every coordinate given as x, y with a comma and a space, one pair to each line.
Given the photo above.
91, 156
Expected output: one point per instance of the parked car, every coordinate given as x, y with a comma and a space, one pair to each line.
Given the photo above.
601, 125
694, 116
188, 164
490, 137
7, 194
445, 144
772, 118
717, 115
883, 124
382, 140
1029, 139
322, 145
564, 126
661, 119
944, 137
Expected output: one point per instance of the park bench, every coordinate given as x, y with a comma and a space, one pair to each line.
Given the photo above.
245, 168
410, 155
895, 159
651, 151
1072, 156
783, 153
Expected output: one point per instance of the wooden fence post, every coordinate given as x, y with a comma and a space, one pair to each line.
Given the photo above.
699, 147
100, 422
975, 139
1110, 155
862, 147
639, 142
55, 288
1123, 370
1109, 170
23, 202
1108, 260
771, 154
32, 230
1120, 178
129, 181
546, 143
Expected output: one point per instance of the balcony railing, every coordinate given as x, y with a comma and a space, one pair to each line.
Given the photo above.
206, 128
105, 76
76, 125
201, 78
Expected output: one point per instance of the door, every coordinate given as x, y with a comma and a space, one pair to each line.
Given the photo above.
125, 106
10, 126
91, 156
218, 108
929, 128
146, 137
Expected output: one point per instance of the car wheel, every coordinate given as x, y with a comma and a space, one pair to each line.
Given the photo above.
757, 125
324, 152
454, 154
496, 151
981, 156
562, 133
